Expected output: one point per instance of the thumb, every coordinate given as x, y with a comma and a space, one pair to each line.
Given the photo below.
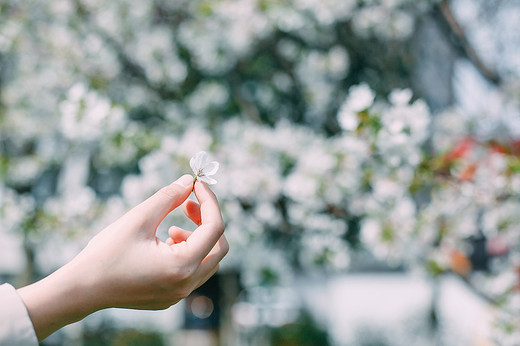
152, 211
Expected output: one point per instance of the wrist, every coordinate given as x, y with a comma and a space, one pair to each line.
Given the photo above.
61, 298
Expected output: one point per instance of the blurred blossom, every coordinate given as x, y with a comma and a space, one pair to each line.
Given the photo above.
113, 208
287, 19
397, 150
449, 126
205, 42
160, 60
400, 97
502, 219
494, 114
251, 183
157, 166
242, 24
348, 119
384, 22
136, 188
59, 250
194, 137
288, 49
313, 222
324, 251
359, 98
504, 282
87, 115
14, 208
267, 214
318, 72
73, 204
413, 119
388, 190
245, 315
10, 30
23, 170
266, 266
481, 24
317, 160
371, 234
207, 97
118, 151
301, 187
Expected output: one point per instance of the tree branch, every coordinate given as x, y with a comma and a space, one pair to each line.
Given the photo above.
462, 43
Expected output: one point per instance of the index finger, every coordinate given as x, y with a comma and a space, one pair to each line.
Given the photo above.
212, 226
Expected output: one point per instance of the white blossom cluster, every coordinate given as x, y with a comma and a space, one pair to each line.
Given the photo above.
476, 197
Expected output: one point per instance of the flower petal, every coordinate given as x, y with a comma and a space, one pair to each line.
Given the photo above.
207, 180
211, 168
197, 161
192, 165
203, 159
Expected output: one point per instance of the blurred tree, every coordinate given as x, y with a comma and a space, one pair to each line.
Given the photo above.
102, 102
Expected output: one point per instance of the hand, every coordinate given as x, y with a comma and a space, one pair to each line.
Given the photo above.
127, 266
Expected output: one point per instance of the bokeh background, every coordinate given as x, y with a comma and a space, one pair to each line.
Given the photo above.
369, 155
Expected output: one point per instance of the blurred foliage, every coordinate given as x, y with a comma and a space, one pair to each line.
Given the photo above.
302, 332
110, 336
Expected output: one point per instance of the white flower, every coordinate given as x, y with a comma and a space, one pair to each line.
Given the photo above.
400, 97
360, 97
202, 168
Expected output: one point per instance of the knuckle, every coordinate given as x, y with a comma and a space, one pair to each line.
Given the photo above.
184, 292
184, 274
220, 226
224, 247
180, 274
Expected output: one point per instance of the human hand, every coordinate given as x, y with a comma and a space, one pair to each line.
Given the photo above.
127, 266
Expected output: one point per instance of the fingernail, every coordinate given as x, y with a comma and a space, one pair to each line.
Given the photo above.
184, 181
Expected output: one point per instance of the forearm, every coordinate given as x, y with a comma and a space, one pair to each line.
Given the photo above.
61, 298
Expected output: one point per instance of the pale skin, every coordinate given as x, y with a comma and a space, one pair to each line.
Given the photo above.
127, 266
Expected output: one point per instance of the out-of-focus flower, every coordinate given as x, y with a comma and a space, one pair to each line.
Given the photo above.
202, 168
360, 98
400, 97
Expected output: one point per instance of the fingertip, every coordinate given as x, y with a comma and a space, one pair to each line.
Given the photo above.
192, 210
199, 184
178, 234
202, 191
173, 230
185, 181
185, 208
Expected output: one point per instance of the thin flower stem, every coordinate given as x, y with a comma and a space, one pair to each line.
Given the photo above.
194, 180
